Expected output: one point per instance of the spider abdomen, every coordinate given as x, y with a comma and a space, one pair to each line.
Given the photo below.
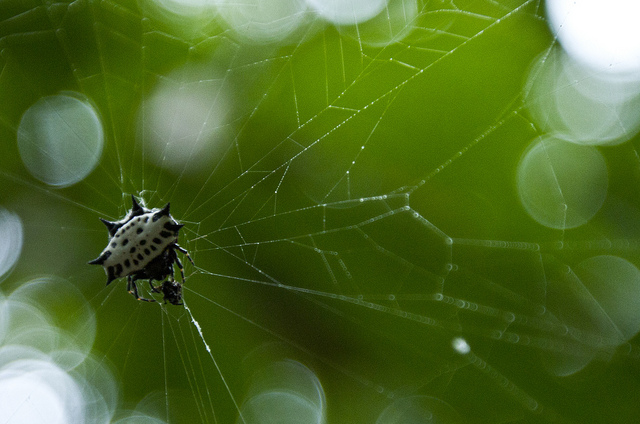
137, 243
137, 240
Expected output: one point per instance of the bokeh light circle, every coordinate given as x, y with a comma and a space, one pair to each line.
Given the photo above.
597, 303
579, 105
604, 35
63, 326
11, 238
181, 121
392, 26
284, 392
60, 139
32, 389
263, 22
561, 185
47, 372
347, 12
614, 283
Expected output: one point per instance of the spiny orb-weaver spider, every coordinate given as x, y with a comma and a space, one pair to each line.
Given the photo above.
142, 246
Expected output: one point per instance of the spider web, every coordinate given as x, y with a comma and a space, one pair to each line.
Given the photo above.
349, 206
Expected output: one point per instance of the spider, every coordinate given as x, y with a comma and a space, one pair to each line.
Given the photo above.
142, 246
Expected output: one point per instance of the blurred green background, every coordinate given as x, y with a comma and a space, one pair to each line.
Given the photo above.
370, 243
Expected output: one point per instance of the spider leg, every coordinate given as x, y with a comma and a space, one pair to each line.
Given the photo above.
180, 267
183, 251
173, 257
177, 261
154, 288
133, 289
